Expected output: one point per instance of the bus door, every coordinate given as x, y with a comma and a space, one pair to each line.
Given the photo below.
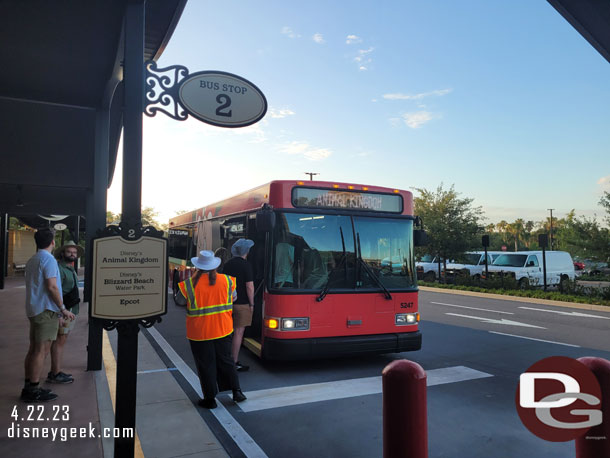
256, 257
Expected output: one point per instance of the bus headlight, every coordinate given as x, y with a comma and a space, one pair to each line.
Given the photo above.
295, 324
403, 319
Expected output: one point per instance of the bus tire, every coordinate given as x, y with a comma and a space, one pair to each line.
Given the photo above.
175, 281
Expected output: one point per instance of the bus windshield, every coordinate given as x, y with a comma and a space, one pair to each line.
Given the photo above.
313, 251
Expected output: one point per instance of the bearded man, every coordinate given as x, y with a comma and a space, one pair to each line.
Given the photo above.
66, 256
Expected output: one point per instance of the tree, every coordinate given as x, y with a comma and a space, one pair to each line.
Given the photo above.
516, 229
604, 201
452, 223
584, 237
149, 218
502, 227
112, 218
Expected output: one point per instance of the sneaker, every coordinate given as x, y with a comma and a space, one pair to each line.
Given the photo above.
60, 377
37, 395
238, 396
207, 403
241, 367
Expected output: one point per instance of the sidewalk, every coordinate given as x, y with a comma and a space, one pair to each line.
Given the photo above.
168, 424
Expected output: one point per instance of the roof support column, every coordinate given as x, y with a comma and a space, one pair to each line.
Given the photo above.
96, 219
3, 247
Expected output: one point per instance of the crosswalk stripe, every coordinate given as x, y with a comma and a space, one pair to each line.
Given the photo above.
340, 389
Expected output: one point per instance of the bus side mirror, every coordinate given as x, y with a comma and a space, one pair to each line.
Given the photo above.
420, 238
265, 219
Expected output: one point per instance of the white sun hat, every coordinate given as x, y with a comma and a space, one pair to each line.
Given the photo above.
206, 260
241, 247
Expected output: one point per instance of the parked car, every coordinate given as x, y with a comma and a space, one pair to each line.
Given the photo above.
526, 267
473, 262
596, 267
427, 268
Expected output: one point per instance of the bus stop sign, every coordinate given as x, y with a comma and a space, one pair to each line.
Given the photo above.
218, 98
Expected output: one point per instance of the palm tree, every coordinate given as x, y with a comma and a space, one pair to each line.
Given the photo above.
518, 231
502, 229
528, 227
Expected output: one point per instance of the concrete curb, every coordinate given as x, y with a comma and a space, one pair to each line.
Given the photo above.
531, 300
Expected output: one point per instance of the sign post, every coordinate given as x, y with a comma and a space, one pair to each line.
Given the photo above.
130, 261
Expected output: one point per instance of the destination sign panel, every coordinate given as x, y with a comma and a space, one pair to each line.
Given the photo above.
353, 200
129, 278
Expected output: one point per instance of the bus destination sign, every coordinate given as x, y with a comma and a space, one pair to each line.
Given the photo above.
129, 278
354, 200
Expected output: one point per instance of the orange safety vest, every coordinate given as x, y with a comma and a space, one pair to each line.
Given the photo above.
209, 309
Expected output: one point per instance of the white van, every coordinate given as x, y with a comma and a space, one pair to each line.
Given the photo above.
427, 268
526, 267
474, 263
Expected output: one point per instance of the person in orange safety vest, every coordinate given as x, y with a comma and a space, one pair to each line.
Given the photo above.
209, 326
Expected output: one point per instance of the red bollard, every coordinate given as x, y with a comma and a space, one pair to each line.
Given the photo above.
405, 418
598, 443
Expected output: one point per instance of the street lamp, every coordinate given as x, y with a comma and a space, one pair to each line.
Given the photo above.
311, 174
551, 231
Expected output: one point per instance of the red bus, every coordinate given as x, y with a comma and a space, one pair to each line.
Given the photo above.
334, 265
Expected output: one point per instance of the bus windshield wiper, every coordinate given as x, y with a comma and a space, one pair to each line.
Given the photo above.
369, 271
324, 292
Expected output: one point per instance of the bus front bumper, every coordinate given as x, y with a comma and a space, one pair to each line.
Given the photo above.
329, 347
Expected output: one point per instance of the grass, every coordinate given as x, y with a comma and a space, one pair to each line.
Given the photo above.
572, 292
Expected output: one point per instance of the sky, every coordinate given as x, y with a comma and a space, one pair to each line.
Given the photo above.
505, 101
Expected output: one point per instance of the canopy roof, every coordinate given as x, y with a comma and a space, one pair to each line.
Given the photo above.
60, 64
591, 18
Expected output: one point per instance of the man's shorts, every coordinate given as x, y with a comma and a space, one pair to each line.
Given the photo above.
68, 325
44, 326
242, 315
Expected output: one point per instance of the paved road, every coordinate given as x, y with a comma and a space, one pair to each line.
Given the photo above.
332, 408
571, 326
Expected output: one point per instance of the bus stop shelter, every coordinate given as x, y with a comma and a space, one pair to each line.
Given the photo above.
61, 105
62, 98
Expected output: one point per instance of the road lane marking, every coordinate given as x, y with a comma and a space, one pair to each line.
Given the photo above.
578, 314
492, 321
538, 340
341, 389
472, 308
226, 420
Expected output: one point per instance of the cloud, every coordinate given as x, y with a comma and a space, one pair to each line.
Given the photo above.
289, 32
280, 113
318, 38
399, 96
417, 119
363, 59
306, 150
351, 39
604, 183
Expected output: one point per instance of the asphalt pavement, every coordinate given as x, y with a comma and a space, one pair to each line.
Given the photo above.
333, 407
474, 349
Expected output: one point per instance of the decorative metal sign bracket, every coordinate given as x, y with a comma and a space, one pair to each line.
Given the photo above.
162, 86
218, 98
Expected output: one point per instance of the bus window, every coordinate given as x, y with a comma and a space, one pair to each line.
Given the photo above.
234, 229
308, 248
386, 246
178, 243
